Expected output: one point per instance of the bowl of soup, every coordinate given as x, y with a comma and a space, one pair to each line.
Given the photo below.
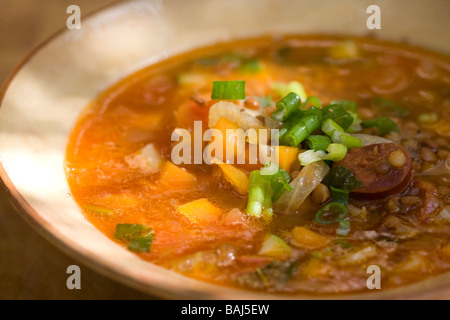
241, 150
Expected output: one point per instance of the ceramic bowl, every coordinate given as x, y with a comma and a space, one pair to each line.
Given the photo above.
43, 97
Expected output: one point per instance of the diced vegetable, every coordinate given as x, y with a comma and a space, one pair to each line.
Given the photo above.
228, 90
307, 239
231, 138
200, 211
331, 213
358, 257
286, 106
337, 134
278, 180
176, 177
344, 50
310, 156
236, 177
256, 194
315, 268
336, 152
350, 107
309, 121
233, 113
338, 114
305, 182
274, 246
98, 209
127, 232
446, 252
428, 118
339, 195
383, 124
367, 139
343, 228
287, 156
343, 178
189, 79
283, 89
138, 236
318, 142
148, 159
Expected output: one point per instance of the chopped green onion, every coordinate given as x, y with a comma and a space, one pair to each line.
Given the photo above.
343, 228
339, 195
278, 180
343, 178
350, 107
252, 65
283, 89
336, 152
286, 106
127, 232
98, 209
390, 107
307, 124
139, 237
428, 118
256, 194
310, 156
338, 114
331, 213
228, 90
317, 142
141, 244
383, 124
337, 134
313, 102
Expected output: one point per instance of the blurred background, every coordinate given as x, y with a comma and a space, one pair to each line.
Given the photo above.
30, 266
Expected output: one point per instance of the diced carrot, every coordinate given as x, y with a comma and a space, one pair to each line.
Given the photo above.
287, 156
305, 238
231, 139
176, 177
200, 211
236, 177
316, 268
446, 252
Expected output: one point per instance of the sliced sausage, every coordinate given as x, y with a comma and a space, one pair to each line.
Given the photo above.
371, 165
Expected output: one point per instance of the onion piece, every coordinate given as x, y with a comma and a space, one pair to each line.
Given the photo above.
441, 168
305, 182
368, 139
234, 113
148, 159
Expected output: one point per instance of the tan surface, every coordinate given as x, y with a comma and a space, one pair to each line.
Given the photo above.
31, 267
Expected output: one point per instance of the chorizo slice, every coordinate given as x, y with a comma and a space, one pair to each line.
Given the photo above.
370, 164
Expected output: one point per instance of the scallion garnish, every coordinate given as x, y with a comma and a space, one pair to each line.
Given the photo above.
317, 142
308, 122
383, 124
331, 213
138, 236
337, 134
339, 195
256, 194
343, 178
228, 90
338, 114
286, 106
336, 152
343, 228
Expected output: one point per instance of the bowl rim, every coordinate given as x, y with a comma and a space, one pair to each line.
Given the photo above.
435, 290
